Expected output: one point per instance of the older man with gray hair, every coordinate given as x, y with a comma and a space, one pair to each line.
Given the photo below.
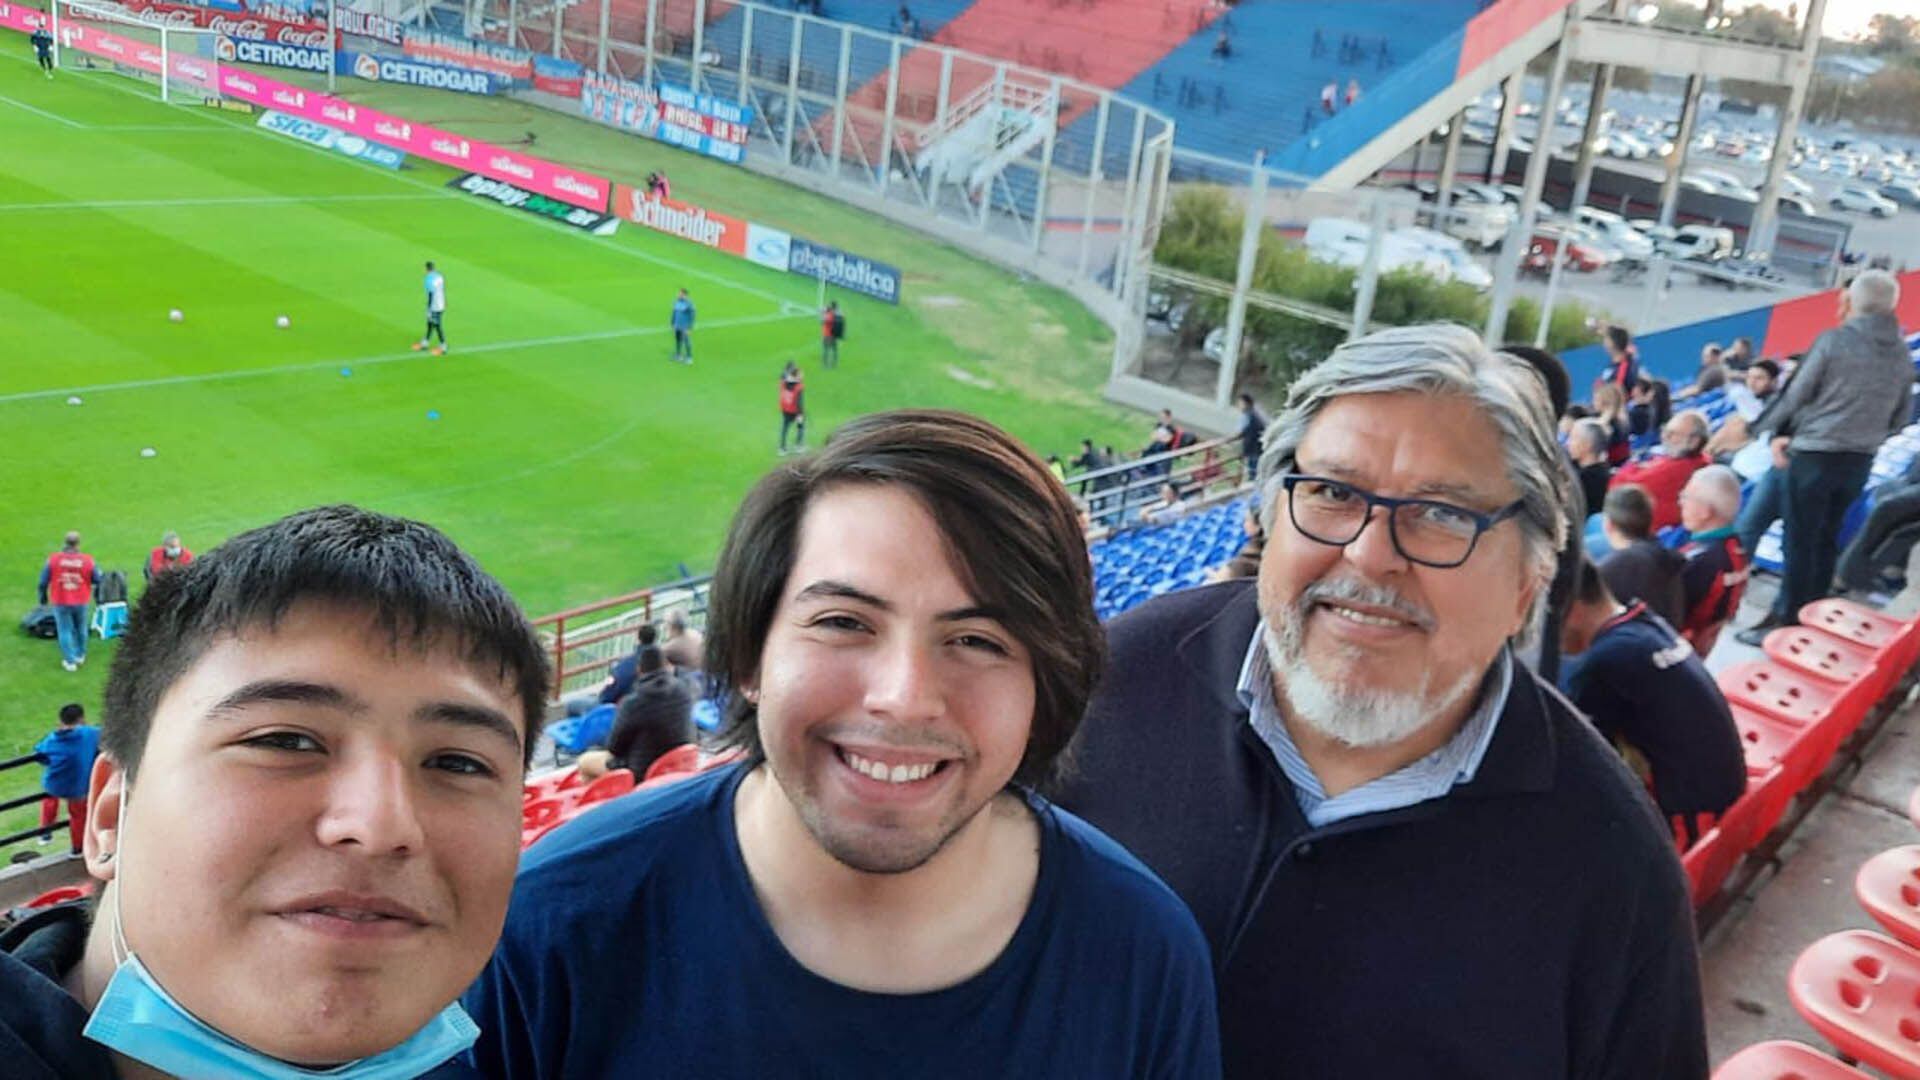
1410, 857
1715, 575
1852, 391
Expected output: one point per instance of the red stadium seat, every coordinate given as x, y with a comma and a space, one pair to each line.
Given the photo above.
63, 895
1771, 791
541, 812
684, 758
1769, 741
1863, 626
1739, 827
1708, 862
1784, 1060
1861, 991
1815, 652
611, 786
1888, 888
541, 787
1780, 692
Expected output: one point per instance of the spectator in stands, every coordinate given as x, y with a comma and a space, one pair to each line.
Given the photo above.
1710, 380
621, 676
904, 623
1712, 374
1587, 445
1682, 452
1222, 48
326, 721
66, 763
169, 554
1623, 359
1169, 508
1738, 355
1715, 575
793, 407
1329, 94
1853, 390
1353, 92
1749, 395
1639, 568
683, 646
1886, 540
1253, 428
1352, 743
67, 582
653, 719
1245, 562
1647, 692
1649, 406
1610, 407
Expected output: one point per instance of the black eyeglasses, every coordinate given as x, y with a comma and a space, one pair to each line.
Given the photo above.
1424, 531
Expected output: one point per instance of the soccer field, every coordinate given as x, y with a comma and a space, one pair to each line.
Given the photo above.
555, 440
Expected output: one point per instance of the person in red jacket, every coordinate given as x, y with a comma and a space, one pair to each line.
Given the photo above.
793, 407
832, 328
169, 554
1682, 453
66, 584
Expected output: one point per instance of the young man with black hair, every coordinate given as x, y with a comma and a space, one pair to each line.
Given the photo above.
1640, 567
1647, 692
304, 819
904, 624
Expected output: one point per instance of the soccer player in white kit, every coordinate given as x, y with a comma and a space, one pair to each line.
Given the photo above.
436, 308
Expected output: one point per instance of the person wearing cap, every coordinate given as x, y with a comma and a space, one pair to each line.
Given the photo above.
169, 554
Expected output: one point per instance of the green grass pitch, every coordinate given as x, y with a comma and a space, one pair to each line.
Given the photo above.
568, 454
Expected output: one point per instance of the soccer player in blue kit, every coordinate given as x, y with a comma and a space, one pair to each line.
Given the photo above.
682, 320
43, 49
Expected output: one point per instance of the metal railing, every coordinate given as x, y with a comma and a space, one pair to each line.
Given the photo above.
1116, 496
24, 835
587, 640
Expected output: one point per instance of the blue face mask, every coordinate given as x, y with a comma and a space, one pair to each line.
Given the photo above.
139, 1019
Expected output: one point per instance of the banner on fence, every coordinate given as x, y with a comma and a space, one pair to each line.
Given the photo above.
535, 174
519, 198
240, 25
561, 78
672, 114
503, 61
768, 246
22, 18
684, 220
331, 138
414, 73
844, 269
274, 54
368, 24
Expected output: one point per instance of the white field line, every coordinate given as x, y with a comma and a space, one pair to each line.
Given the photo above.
383, 358
234, 200
42, 113
785, 303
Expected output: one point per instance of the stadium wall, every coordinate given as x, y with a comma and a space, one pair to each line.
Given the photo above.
1778, 330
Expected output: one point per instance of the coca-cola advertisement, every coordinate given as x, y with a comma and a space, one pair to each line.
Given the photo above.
240, 25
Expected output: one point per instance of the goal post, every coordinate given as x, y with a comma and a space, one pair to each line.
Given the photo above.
183, 62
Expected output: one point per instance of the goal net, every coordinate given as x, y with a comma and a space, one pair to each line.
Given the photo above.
180, 62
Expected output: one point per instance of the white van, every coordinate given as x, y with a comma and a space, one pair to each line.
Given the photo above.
1617, 233
1343, 242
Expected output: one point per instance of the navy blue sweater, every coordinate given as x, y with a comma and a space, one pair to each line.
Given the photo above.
1533, 923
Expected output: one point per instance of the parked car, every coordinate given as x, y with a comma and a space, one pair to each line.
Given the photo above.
1614, 230
1862, 200
1793, 185
1795, 204
1903, 192
1721, 184
1584, 253
1343, 242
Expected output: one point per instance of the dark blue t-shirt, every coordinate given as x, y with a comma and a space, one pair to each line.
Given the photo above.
635, 947
1639, 682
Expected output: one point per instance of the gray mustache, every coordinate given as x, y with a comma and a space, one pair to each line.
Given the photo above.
1346, 590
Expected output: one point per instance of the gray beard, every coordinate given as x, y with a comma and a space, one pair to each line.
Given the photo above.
1359, 717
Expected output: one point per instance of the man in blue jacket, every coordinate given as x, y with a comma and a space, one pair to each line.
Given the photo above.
66, 755
682, 320
1410, 857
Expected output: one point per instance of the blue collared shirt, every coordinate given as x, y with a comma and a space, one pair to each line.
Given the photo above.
1432, 776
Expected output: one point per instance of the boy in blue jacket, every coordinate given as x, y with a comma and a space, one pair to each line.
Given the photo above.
67, 762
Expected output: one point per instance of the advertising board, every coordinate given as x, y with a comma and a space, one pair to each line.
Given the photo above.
538, 175
684, 220
395, 69
233, 24
519, 198
368, 24
330, 138
844, 269
274, 54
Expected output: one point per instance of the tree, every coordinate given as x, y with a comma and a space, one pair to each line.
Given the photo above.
1892, 35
